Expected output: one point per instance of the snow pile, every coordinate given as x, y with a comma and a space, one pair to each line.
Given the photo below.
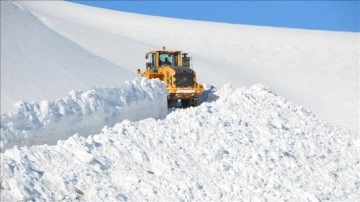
84, 113
250, 144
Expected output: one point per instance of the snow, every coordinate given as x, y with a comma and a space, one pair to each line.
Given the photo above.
316, 69
250, 144
112, 138
40, 64
85, 112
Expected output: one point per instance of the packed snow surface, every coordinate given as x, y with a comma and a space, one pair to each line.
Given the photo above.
112, 138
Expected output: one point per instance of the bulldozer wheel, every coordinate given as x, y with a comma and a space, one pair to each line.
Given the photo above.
171, 103
194, 102
185, 102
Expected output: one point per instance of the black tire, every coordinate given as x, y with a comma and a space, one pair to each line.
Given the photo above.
194, 102
171, 103
185, 102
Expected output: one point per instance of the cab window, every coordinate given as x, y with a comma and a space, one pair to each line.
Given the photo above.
167, 59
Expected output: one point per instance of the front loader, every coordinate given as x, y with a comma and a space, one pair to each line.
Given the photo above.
174, 69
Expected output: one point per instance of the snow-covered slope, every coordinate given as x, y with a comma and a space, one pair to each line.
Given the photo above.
316, 69
250, 144
39, 64
242, 143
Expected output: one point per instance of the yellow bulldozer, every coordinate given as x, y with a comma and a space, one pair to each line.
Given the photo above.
174, 68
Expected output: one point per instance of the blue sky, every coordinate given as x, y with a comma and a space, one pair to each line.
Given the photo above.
319, 15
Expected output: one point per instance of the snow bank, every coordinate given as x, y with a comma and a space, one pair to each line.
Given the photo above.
84, 113
250, 144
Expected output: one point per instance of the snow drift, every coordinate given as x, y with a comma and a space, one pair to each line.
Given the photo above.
84, 113
241, 144
250, 144
315, 69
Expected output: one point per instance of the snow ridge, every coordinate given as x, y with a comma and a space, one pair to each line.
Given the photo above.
249, 144
82, 112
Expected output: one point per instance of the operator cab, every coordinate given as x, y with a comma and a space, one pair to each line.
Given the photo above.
167, 58
173, 59
163, 58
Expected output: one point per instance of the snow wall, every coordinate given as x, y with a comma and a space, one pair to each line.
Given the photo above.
84, 113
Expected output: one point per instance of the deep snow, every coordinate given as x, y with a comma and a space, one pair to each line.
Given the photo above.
241, 143
249, 144
39, 64
83, 113
316, 69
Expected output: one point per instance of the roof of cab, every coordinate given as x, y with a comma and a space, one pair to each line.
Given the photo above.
165, 51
